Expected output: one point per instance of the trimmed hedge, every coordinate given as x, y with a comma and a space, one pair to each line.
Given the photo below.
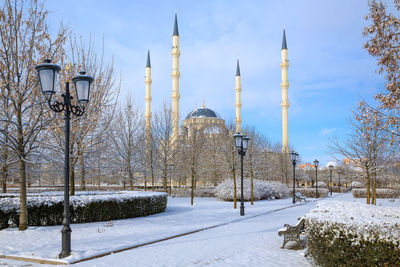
48, 210
310, 192
353, 234
380, 193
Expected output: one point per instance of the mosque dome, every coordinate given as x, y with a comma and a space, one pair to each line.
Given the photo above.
202, 113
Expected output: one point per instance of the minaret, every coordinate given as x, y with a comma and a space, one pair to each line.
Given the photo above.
147, 99
238, 104
285, 100
175, 80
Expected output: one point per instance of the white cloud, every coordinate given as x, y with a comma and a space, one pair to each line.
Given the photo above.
327, 131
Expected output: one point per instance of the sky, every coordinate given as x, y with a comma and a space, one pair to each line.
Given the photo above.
329, 68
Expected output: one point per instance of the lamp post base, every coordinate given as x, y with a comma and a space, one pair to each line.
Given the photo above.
241, 210
66, 242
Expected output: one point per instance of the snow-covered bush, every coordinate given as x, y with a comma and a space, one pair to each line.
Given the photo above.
321, 185
198, 192
356, 184
343, 189
48, 209
311, 192
261, 190
351, 233
380, 193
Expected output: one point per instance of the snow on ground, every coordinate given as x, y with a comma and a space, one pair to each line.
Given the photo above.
249, 241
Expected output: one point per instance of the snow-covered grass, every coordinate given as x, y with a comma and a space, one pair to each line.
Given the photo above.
90, 239
47, 208
341, 232
261, 190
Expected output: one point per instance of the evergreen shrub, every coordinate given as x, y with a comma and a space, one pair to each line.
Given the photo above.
48, 209
353, 234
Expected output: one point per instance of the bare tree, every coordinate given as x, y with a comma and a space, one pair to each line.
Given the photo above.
366, 143
25, 41
126, 136
231, 158
165, 148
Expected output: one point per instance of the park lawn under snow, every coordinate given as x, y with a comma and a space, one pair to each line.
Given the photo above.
250, 240
90, 239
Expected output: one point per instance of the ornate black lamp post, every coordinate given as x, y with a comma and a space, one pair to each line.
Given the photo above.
330, 178
316, 162
241, 142
293, 158
48, 73
339, 172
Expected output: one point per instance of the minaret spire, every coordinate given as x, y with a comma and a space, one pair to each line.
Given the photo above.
176, 31
175, 80
284, 45
285, 99
148, 64
238, 105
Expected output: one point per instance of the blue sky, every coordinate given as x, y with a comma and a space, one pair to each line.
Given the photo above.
329, 69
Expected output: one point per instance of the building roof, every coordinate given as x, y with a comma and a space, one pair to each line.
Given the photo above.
202, 113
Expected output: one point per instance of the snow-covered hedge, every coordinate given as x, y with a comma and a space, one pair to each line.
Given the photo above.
357, 184
198, 192
47, 209
353, 234
310, 192
322, 185
380, 193
261, 190
343, 189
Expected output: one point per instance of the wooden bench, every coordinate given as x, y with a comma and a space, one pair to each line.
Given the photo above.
300, 197
292, 233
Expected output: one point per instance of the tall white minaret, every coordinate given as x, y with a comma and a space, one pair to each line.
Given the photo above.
175, 80
285, 99
238, 105
147, 99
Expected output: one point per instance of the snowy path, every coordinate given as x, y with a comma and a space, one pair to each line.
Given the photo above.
251, 242
246, 242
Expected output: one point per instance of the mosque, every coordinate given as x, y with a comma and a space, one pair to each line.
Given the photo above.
205, 119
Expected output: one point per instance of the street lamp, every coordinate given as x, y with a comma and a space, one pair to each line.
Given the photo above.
241, 142
293, 158
330, 178
316, 162
339, 172
48, 73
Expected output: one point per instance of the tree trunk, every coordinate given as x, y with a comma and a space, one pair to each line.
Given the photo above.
83, 172
23, 214
234, 190
374, 188
4, 174
192, 191
4, 169
368, 184
130, 177
71, 177
251, 184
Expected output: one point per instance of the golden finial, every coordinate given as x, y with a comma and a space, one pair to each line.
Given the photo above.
204, 103
67, 68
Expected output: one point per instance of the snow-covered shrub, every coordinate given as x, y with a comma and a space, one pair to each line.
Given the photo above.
48, 209
356, 184
353, 234
261, 190
380, 193
311, 192
322, 185
343, 189
198, 192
